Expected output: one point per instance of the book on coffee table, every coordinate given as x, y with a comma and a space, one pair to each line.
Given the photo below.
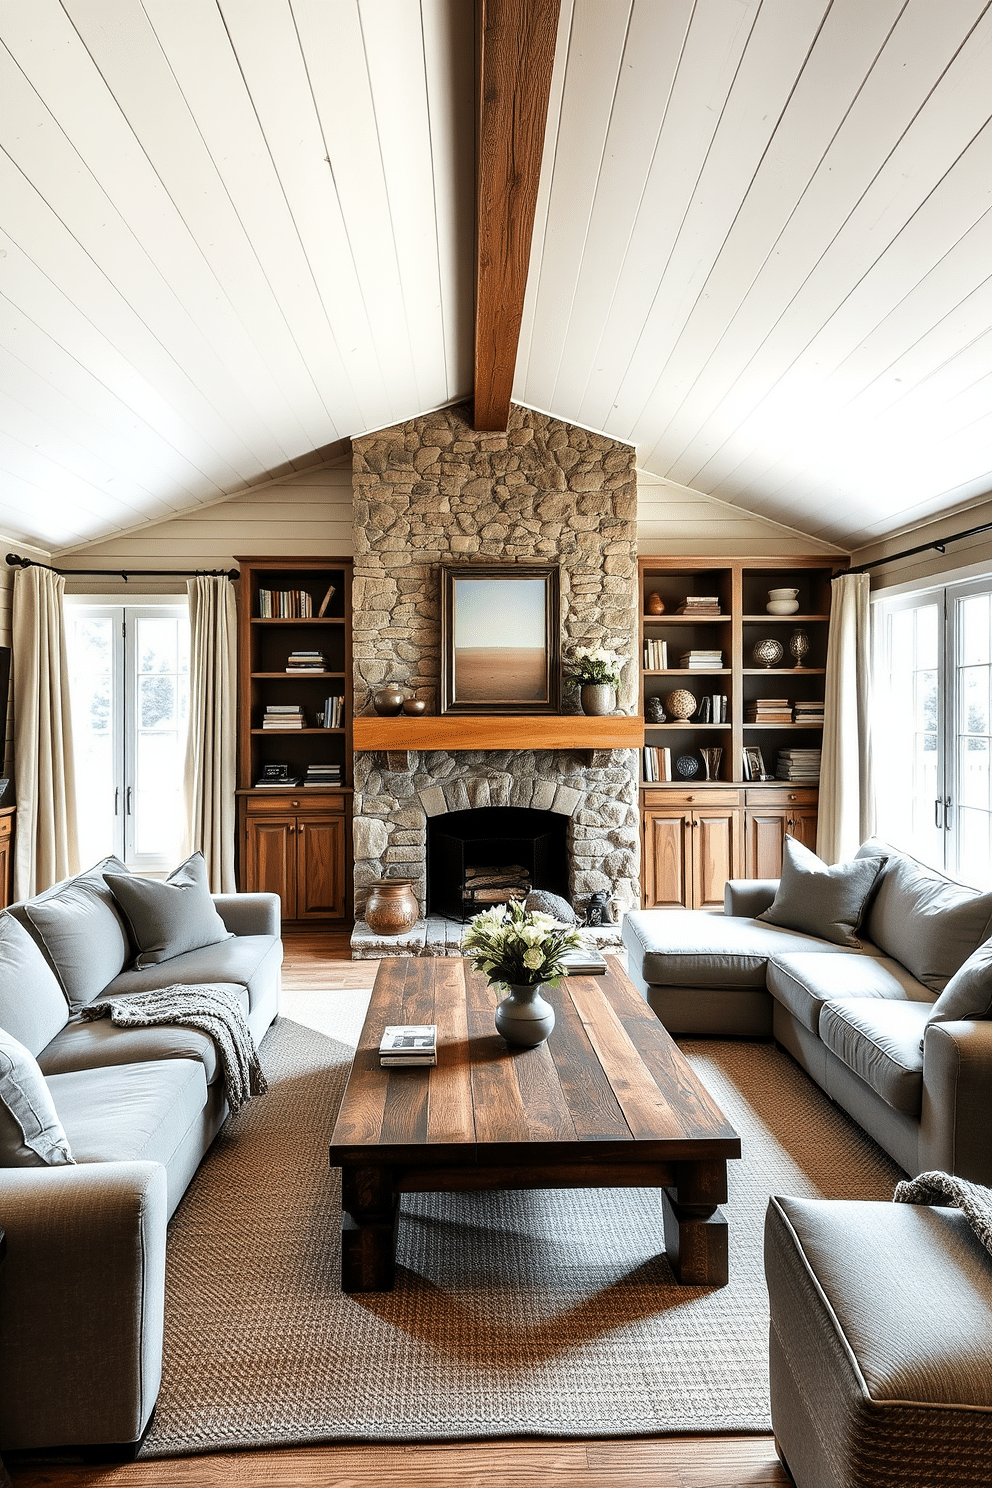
583, 962
408, 1044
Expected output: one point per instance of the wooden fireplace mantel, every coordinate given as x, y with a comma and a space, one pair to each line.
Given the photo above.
497, 731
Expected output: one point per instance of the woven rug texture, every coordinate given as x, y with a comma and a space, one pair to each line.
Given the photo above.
547, 1313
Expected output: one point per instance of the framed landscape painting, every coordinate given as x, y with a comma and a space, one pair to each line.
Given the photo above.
499, 638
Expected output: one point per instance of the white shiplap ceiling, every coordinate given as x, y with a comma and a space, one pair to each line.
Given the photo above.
234, 232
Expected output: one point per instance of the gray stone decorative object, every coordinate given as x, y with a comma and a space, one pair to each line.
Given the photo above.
524, 1017
544, 902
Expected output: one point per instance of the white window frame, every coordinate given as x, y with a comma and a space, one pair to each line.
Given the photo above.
943, 807
124, 704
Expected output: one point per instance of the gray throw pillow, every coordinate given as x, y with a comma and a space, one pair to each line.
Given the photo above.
928, 922
33, 1008
167, 919
968, 994
31, 1134
83, 935
819, 900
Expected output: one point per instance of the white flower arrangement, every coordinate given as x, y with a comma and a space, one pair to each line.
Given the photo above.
596, 664
514, 948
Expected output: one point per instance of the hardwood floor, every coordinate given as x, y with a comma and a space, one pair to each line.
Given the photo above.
320, 959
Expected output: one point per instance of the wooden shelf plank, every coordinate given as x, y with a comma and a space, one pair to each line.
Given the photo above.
499, 731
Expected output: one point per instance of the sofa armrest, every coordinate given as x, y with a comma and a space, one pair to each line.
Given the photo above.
250, 914
956, 1117
82, 1301
747, 897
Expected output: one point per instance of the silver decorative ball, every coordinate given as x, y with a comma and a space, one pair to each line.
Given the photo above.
768, 653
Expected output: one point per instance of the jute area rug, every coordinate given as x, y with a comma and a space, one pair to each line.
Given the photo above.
546, 1313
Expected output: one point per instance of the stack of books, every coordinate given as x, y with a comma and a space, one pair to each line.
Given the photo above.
333, 712
306, 661
657, 763
700, 660
700, 604
768, 710
327, 776
656, 656
406, 1045
811, 713
798, 765
281, 716
583, 962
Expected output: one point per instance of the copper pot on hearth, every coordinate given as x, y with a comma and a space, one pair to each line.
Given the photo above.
392, 906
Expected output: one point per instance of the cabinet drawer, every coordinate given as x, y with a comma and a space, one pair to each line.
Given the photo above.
281, 802
701, 798
5, 825
781, 795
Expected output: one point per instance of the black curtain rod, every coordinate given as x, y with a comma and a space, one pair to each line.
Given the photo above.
930, 547
16, 561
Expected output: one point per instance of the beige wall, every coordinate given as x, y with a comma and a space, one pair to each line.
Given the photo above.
674, 520
965, 559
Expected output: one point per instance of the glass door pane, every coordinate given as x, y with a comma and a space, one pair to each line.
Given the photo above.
909, 777
158, 648
92, 639
970, 820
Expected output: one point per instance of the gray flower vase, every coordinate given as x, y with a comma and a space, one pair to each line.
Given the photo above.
597, 698
524, 1017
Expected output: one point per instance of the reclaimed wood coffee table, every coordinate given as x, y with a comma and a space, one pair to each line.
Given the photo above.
609, 1101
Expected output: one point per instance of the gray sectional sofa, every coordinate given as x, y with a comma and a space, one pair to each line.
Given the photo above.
876, 976
119, 1120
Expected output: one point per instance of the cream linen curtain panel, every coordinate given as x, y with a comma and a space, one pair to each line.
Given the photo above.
44, 777
846, 811
211, 747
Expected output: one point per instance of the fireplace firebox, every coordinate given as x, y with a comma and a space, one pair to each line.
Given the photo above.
483, 857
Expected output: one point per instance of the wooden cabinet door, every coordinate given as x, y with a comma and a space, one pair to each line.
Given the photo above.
270, 860
765, 836
667, 860
715, 855
320, 878
6, 860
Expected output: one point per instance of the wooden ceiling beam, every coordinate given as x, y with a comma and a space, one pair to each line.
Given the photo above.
516, 57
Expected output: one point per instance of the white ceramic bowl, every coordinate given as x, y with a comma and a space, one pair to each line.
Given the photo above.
782, 606
783, 594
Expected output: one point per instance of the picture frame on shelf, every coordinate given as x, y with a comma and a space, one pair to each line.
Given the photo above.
500, 627
754, 764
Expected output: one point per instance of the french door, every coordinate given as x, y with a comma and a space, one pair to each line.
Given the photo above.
130, 706
933, 727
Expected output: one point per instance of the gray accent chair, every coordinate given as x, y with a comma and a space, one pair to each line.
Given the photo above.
866, 1021
82, 1288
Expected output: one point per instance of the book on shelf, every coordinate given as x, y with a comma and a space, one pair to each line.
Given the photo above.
333, 712
657, 763
323, 775
655, 656
699, 604
331, 591
408, 1045
702, 661
288, 782
284, 604
306, 661
280, 716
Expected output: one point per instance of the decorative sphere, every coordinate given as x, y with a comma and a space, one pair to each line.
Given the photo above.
681, 704
768, 653
688, 766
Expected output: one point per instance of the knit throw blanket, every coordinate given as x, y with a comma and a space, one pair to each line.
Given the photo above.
214, 1011
974, 1201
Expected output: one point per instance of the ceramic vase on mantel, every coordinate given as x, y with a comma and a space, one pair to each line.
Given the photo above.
524, 1017
597, 698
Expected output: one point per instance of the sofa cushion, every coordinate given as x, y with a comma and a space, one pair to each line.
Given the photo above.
880, 1040
968, 994
83, 1045
83, 936
130, 1112
249, 961
687, 948
32, 1005
819, 900
927, 921
803, 983
170, 918
31, 1135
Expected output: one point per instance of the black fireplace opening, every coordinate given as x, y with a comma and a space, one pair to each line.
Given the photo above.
479, 858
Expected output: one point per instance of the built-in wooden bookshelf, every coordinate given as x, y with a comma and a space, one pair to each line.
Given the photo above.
293, 836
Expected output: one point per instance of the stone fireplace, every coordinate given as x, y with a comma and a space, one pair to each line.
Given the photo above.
434, 490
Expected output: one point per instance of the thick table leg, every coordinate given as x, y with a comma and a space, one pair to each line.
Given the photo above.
370, 1210
695, 1228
